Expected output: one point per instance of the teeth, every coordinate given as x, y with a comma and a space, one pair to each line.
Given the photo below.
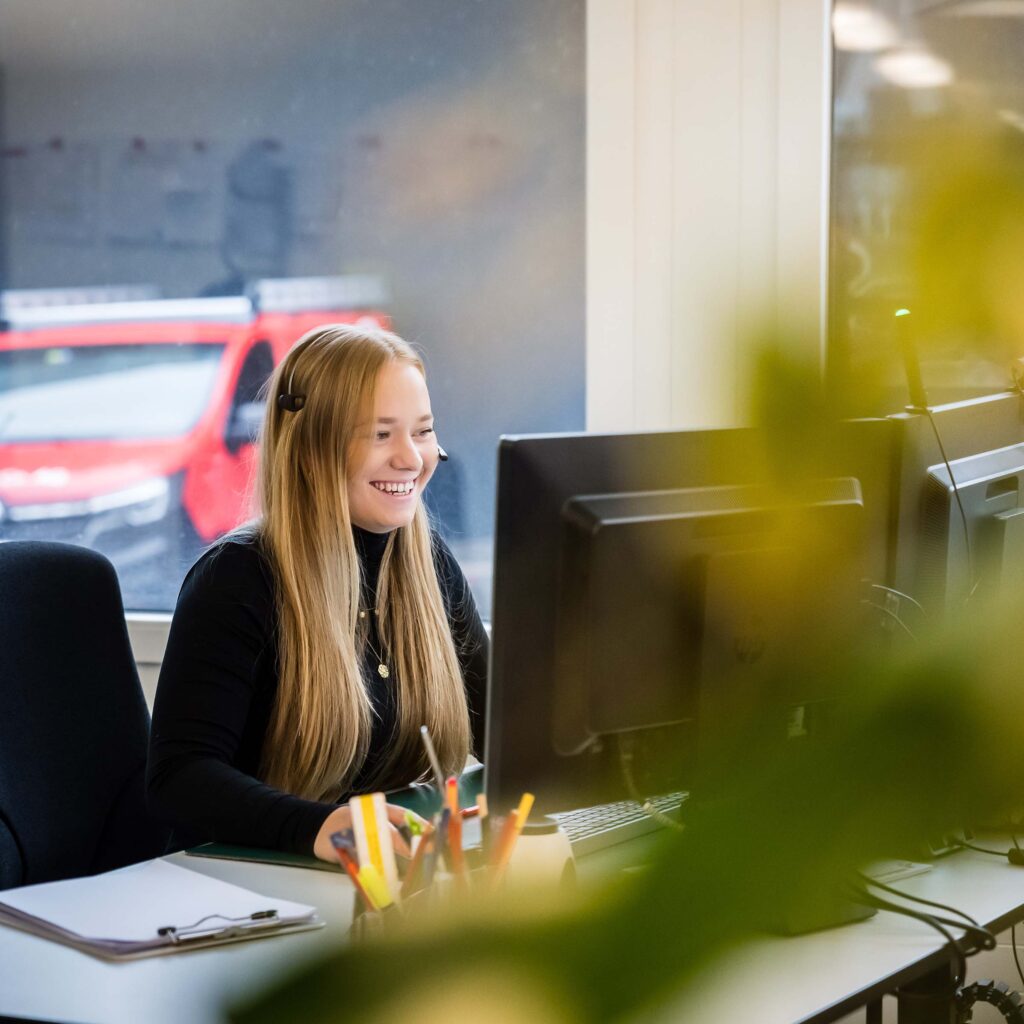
395, 488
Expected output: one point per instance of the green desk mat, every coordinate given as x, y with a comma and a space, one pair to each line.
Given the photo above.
424, 800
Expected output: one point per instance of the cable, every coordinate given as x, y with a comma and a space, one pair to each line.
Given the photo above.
891, 614
979, 849
868, 880
957, 951
959, 504
899, 593
626, 764
919, 403
1016, 959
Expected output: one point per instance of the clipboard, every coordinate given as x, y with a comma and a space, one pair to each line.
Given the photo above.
149, 909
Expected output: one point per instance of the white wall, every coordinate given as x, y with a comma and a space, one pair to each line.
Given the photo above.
148, 636
707, 197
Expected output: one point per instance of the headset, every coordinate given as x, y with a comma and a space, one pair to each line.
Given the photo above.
291, 402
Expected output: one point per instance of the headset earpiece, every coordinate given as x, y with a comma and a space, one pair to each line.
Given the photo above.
289, 401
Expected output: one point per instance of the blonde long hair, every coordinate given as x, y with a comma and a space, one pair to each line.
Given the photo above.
320, 727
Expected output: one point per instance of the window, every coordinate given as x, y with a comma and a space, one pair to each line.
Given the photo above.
928, 156
185, 189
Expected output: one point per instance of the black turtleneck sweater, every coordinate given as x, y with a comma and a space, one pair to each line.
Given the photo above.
218, 682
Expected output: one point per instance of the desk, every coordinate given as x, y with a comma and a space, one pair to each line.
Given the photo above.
825, 976
813, 978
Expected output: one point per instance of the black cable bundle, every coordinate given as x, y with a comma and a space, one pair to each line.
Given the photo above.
997, 994
960, 949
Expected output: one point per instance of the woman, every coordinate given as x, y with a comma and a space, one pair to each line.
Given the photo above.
308, 648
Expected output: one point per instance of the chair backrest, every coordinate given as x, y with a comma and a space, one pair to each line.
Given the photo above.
73, 720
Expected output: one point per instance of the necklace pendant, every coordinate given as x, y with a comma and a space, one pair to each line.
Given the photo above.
382, 671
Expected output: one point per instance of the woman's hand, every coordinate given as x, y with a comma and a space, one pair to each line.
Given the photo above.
341, 818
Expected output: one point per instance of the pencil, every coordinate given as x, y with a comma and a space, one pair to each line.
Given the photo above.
441, 837
510, 833
432, 757
412, 875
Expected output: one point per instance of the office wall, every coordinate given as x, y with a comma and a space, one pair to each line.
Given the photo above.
707, 199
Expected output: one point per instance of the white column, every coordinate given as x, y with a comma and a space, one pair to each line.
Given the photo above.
707, 199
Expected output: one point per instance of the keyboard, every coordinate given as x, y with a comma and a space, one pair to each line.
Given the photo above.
594, 828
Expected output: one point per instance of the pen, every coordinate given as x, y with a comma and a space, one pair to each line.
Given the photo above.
352, 870
432, 757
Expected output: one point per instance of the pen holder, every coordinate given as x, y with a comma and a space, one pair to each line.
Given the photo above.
366, 926
542, 858
541, 863
444, 892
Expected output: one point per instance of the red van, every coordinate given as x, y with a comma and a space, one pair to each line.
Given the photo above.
127, 421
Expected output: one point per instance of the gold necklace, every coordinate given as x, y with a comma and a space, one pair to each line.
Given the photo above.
382, 669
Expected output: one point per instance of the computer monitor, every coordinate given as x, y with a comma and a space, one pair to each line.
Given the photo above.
633, 597
961, 526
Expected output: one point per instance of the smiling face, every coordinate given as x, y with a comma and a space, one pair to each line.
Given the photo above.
395, 453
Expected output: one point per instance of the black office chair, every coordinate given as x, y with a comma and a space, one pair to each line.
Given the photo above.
73, 721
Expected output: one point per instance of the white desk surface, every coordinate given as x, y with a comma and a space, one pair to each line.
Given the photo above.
787, 980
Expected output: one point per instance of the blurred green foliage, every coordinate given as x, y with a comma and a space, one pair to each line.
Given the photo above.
926, 740
913, 757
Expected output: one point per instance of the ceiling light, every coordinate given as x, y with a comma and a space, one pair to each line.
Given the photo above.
914, 67
859, 28
986, 9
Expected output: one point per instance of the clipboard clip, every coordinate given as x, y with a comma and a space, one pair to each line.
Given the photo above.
231, 926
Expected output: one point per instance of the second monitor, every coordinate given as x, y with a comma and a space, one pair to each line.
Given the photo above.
648, 586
